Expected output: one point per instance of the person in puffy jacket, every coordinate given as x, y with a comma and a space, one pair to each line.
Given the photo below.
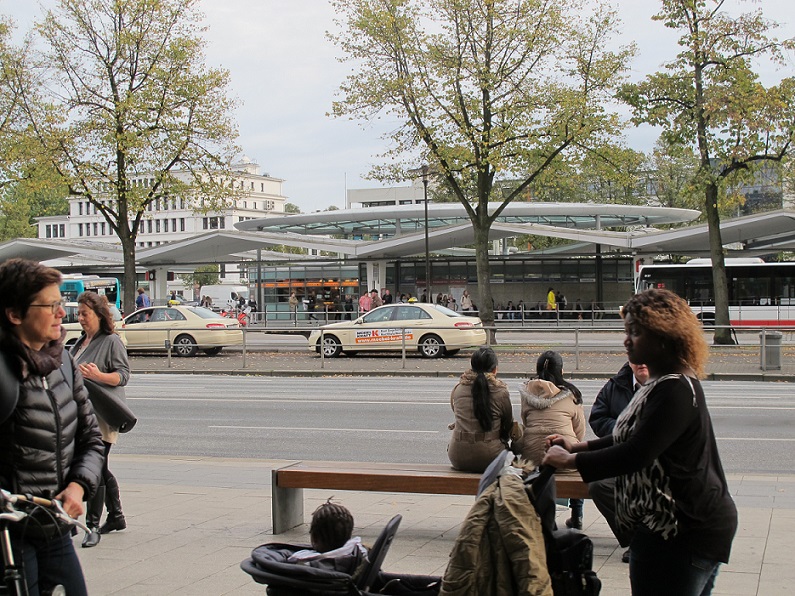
483, 415
551, 405
50, 445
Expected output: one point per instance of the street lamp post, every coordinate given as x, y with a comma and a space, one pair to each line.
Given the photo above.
426, 172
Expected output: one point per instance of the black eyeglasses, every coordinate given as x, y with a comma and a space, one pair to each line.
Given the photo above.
54, 306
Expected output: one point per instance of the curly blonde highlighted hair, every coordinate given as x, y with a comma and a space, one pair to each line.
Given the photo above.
667, 315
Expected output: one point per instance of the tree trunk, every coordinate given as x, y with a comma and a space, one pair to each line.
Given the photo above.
130, 278
485, 301
723, 334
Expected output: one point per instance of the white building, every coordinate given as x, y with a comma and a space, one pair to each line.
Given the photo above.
178, 218
173, 219
386, 197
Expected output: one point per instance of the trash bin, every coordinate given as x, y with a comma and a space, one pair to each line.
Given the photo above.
770, 350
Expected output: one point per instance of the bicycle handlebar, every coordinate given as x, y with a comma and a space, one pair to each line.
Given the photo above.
9, 512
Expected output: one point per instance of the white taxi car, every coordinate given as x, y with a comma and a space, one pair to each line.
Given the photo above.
187, 328
431, 329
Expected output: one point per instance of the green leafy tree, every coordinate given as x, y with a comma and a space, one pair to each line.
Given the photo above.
710, 98
484, 90
127, 98
37, 191
206, 275
291, 208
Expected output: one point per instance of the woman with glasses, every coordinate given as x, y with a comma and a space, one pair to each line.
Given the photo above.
102, 359
50, 445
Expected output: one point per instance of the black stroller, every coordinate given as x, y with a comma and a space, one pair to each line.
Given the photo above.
344, 576
569, 556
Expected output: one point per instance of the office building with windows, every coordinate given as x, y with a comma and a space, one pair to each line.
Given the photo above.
174, 218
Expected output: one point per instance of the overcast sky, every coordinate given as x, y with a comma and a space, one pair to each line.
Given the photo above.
285, 73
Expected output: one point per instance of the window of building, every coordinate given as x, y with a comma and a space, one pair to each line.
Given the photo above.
96, 229
165, 225
245, 205
173, 224
79, 208
79, 229
149, 226
157, 225
262, 187
182, 224
102, 227
88, 230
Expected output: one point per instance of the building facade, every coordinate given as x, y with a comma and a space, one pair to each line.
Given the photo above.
177, 218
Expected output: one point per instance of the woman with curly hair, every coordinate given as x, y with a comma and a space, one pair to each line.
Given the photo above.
483, 415
551, 405
670, 485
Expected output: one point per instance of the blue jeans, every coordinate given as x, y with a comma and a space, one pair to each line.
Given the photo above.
665, 567
49, 563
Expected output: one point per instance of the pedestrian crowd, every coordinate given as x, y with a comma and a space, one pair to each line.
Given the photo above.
654, 471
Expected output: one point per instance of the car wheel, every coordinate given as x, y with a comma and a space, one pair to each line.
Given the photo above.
431, 346
185, 345
213, 351
331, 346
451, 352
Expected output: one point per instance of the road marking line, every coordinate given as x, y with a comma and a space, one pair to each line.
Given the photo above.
293, 401
753, 439
324, 429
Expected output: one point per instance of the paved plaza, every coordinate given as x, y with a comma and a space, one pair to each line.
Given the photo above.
193, 520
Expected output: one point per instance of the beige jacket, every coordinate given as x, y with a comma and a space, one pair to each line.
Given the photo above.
546, 410
470, 448
500, 549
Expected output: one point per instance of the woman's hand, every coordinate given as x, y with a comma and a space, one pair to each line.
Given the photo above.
559, 440
71, 499
90, 371
558, 457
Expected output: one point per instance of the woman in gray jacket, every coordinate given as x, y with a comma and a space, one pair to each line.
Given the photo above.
101, 358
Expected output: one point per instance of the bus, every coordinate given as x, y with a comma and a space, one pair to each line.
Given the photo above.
760, 294
72, 285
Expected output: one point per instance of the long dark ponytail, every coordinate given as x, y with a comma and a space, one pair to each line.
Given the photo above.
549, 367
483, 360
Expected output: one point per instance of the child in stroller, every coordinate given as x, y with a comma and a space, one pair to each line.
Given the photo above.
566, 555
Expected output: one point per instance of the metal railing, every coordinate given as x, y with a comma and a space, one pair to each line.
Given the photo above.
772, 348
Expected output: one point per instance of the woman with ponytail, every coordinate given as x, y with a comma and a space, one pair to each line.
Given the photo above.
551, 405
483, 415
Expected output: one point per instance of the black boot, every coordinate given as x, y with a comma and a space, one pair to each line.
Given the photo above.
115, 519
93, 515
575, 521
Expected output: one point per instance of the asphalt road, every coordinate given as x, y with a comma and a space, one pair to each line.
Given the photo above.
393, 419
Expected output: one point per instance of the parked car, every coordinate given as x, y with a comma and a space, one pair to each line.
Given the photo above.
431, 329
74, 330
188, 328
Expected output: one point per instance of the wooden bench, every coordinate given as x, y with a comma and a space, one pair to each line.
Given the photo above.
288, 483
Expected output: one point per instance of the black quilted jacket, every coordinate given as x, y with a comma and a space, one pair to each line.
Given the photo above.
51, 439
